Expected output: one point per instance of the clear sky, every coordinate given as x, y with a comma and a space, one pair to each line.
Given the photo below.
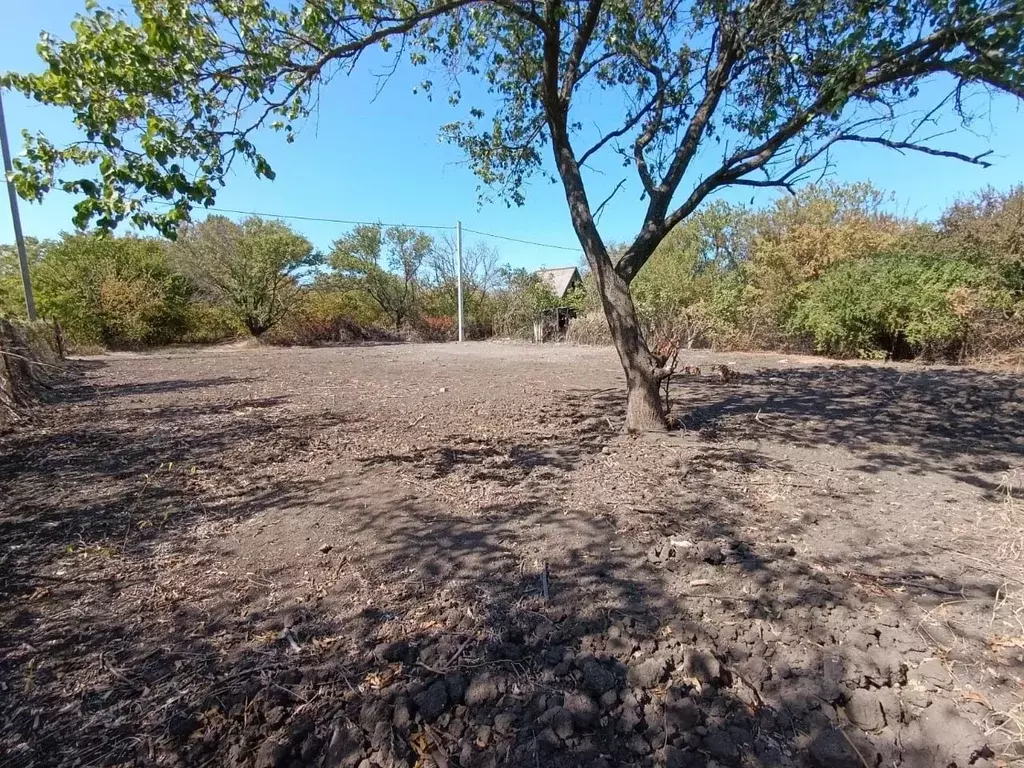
376, 157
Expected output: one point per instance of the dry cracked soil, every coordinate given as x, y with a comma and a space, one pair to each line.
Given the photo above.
449, 555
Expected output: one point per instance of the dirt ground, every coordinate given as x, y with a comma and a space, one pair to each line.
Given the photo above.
445, 555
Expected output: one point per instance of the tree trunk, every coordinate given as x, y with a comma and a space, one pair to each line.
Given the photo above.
645, 411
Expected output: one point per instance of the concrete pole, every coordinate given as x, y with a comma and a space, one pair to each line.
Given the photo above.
458, 272
19, 238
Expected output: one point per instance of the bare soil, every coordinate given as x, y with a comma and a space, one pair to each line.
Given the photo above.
444, 555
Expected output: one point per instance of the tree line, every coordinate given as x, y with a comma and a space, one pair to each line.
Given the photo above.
219, 279
829, 269
702, 97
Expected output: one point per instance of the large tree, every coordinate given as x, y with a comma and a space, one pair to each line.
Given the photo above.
251, 268
386, 265
759, 91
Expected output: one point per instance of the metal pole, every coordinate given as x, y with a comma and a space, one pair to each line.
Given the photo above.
19, 238
458, 272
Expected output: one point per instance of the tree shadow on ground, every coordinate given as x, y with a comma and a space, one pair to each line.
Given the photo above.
373, 622
959, 422
446, 644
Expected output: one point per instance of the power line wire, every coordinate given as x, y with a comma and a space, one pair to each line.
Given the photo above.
382, 224
524, 242
320, 218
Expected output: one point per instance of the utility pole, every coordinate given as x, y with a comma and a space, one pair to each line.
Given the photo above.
458, 272
19, 238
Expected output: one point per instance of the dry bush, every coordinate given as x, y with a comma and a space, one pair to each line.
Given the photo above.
589, 329
30, 354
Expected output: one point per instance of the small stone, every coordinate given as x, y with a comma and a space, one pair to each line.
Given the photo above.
681, 712
483, 736
609, 699
275, 717
402, 719
504, 723
391, 652
671, 757
710, 552
456, 685
865, 711
701, 665
930, 674
597, 678
310, 748
647, 673
638, 744
561, 724
583, 710
272, 754
721, 746
830, 749
346, 747
371, 713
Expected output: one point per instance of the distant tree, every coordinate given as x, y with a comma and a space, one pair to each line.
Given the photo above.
989, 227
519, 301
481, 275
252, 268
386, 265
713, 94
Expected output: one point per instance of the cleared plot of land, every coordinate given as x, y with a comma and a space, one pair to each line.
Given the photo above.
449, 555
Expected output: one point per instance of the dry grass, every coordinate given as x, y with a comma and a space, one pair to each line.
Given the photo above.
589, 329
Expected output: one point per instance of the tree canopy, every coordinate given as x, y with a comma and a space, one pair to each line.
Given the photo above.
252, 267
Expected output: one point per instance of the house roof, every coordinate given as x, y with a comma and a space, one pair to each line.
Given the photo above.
559, 280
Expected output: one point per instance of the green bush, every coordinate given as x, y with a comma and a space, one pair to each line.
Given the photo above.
520, 302
207, 323
325, 316
116, 292
896, 306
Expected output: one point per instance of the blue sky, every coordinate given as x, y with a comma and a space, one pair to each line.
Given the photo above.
376, 157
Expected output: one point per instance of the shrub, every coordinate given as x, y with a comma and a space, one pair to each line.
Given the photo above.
207, 323
590, 328
893, 306
117, 292
437, 328
326, 316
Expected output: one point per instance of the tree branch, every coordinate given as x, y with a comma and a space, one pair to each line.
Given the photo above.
629, 125
597, 211
579, 47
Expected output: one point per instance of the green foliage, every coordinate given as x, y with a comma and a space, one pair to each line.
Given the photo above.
898, 306
989, 228
326, 315
169, 94
386, 265
519, 303
117, 292
12, 296
207, 323
252, 268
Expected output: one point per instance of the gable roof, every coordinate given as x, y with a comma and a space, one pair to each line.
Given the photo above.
559, 280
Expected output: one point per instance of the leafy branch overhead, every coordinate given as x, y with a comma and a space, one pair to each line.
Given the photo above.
169, 98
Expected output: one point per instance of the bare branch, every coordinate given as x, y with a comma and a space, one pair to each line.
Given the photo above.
629, 125
597, 211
